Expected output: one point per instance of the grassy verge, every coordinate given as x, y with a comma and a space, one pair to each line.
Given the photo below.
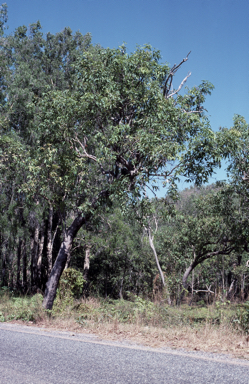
222, 327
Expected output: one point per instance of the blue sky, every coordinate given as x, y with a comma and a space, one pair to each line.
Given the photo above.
215, 31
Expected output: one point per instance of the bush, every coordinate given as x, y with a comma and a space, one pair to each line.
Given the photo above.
71, 283
21, 308
242, 318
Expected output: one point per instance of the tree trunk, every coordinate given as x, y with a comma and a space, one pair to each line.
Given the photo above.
4, 280
155, 254
60, 262
18, 272
192, 287
39, 258
158, 264
11, 270
65, 249
86, 262
50, 240
86, 269
185, 277
121, 289
229, 293
223, 277
24, 269
242, 291
34, 257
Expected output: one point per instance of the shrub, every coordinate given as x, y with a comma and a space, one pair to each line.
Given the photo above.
71, 283
242, 318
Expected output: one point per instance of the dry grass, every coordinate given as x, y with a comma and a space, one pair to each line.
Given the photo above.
207, 338
142, 323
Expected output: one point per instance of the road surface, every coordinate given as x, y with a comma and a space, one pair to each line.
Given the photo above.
30, 355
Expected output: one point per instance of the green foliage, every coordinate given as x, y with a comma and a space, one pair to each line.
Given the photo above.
146, 313
21, 308
123, 311
120, 261
71, 283
84, 130
3, 17
31, 65
242, 318
115, 126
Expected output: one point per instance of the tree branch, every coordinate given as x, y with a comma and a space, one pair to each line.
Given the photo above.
172, 72
85, 154
208, 290
180, 86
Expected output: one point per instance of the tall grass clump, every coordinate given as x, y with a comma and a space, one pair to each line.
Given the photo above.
26, 308
241, 319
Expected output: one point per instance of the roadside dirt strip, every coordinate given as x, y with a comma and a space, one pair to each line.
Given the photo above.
35, 355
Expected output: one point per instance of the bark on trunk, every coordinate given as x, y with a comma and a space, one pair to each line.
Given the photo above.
192, 287
60, 261
185, 278
86, 269
34, 257
121, 289
11, 271
24, 269
50, 240
158, 264
155, 254
39, 259
86, 263
186, 275
65, 249
242, 292
229, 293
4, 279
18, 272
223, 277
68, 260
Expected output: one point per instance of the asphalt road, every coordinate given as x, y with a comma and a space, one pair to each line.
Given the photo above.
30, 355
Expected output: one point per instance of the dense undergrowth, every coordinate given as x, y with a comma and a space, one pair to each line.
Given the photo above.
137, 311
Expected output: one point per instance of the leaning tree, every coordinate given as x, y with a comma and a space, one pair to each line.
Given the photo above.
118, 129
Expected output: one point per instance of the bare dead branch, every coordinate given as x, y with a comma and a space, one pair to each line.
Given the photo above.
208, 290
180, 86
189, 112
169, 79
245, 177
84, 154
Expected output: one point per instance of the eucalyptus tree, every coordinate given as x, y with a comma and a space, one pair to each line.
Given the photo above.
209, 225
115, 131
31, 65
